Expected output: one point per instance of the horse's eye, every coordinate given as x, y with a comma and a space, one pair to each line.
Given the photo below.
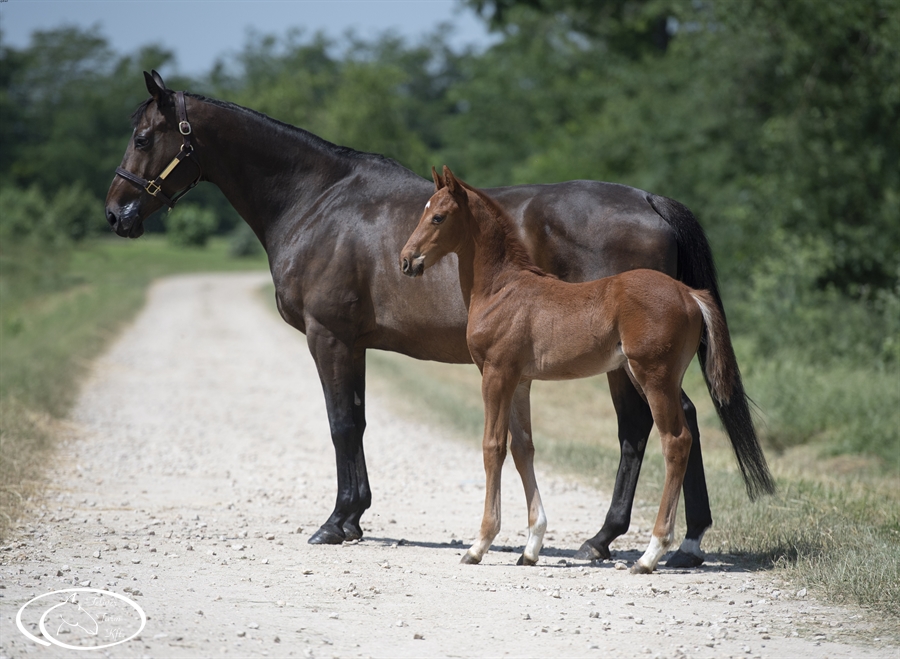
141, 142
437, 219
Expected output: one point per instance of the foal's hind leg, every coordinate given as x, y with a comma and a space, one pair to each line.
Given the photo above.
523, 453
635, 422
497, 390
665, 403
696, 498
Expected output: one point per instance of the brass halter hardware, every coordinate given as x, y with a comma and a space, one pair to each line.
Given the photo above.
154, 187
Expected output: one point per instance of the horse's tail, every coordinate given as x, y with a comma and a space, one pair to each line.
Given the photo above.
717, 360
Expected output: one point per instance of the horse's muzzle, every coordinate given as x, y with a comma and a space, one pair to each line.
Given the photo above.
125, 222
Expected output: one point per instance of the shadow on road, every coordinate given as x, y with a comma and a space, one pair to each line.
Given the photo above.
565, 558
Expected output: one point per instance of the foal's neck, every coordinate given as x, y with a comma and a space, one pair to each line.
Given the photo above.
494, 254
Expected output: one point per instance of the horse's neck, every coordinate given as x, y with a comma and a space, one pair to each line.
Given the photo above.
266, 171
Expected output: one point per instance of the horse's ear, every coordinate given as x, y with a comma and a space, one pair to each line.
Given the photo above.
438, 182
157, 88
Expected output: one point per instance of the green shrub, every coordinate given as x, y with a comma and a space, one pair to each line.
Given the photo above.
190, 225
243, 242
37, 234
27, 215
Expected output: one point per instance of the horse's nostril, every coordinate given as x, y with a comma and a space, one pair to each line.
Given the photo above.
111, 218
405, 265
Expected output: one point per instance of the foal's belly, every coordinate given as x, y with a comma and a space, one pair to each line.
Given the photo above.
573, 367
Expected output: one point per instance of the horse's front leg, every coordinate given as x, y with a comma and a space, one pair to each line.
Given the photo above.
497, 390
523, 454
342, 370
665, 402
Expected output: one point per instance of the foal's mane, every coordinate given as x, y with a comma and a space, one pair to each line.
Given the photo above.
515, 248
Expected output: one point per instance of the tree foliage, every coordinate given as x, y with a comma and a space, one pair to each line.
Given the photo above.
775, 122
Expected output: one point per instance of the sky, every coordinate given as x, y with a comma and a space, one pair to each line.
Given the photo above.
200, 31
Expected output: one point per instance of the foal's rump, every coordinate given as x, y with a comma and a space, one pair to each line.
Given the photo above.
659, 321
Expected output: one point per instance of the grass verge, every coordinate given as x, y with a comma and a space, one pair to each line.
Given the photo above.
57, 317
834, 525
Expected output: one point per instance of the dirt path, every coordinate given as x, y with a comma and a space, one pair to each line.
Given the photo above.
199, 463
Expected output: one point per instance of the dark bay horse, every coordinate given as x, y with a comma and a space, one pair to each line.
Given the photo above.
332, 219
525, 325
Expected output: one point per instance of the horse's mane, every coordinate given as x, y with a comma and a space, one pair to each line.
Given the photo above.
341, 151
515, 248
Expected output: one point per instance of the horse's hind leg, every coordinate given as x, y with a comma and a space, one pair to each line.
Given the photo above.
523, 454
665, 402
342, 372
497, 390
635, 422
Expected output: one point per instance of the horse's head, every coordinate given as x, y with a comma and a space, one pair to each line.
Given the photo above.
442, 227
153, 172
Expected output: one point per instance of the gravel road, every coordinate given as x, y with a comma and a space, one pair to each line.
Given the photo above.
198, 462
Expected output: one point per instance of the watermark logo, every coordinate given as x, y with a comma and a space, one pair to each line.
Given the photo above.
81, 619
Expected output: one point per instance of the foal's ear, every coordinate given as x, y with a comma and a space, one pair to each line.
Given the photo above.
157, 88
453, 185
438, 182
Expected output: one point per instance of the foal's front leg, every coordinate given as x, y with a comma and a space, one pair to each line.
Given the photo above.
497, 391
523, 453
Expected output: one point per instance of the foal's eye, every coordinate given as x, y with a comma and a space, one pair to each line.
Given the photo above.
141, 141
437, 219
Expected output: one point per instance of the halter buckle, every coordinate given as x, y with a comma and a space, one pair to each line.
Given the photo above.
154, 190
184, 128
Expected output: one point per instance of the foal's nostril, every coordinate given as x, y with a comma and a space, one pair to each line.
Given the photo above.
112, 219
405, 266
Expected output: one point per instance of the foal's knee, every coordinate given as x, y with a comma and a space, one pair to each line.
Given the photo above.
494, 447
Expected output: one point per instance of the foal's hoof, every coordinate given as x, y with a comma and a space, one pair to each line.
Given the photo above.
468, 559
327, 535
637, 568
589, 552
525, 561
682, 559
352, 531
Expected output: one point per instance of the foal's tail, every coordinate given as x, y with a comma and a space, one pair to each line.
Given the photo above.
721, 365
717, 360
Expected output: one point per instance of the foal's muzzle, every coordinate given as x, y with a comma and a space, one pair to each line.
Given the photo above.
412, 267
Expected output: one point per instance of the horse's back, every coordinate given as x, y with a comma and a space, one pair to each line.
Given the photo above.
585, 230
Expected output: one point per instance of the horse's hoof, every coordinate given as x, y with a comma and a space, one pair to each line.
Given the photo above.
468, 559
525, 561
637, 568
352, 531
682, 559
327, 535
589, 552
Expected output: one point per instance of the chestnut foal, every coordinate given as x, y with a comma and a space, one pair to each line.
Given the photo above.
526, 325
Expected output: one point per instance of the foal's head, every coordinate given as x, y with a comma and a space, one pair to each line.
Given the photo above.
442, 228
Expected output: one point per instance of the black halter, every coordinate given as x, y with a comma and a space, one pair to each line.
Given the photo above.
154, 187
